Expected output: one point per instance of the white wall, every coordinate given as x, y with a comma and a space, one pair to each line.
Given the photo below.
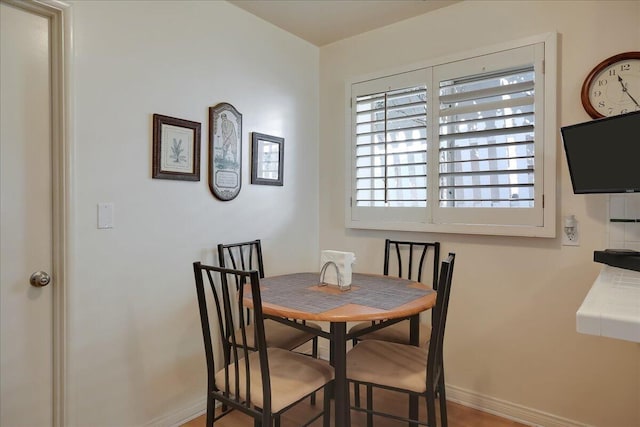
511, 336
136, 352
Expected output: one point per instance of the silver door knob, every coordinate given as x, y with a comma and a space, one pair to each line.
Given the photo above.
39, 279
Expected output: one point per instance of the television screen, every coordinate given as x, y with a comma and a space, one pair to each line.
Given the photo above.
604, 154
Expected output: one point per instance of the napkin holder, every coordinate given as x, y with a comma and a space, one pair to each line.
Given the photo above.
336, 268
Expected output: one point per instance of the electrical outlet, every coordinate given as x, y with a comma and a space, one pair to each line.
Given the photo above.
571, 240
570, 231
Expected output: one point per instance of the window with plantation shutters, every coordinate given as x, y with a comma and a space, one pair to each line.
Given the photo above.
463, 146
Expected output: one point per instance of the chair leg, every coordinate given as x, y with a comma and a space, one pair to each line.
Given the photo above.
431, 407
332, 356
314, 354
228, 355
314, 347
413, 410
266, 420
369, 405
443, 401
211, 410
326, 416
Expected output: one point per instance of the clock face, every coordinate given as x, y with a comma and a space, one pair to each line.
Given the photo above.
613, 87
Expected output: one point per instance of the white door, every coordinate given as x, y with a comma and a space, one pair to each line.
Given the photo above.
26, 365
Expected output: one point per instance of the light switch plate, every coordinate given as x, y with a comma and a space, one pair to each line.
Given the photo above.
105, 215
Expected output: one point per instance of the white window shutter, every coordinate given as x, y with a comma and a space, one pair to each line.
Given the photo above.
389, 167
487, 140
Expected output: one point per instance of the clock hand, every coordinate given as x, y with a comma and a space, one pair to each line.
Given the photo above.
625, 90
632, 98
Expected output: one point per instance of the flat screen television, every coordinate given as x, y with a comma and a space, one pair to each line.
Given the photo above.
604, 154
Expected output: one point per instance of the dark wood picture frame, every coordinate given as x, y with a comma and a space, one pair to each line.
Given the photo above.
172, 159
267, 159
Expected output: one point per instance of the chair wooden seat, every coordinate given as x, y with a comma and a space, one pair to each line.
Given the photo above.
389, 364
281, 336
397, 333
293, 376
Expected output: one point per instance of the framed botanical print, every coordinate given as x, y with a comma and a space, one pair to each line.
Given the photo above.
176, 148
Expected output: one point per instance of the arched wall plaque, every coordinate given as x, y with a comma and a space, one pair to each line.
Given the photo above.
225, 151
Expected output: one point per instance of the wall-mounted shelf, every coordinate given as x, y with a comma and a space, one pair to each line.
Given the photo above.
610, 308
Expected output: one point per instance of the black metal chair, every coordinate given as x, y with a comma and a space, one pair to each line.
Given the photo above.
260, 381
416, 257
248, 256
417, 371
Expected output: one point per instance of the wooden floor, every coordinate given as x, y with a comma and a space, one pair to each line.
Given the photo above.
386, 401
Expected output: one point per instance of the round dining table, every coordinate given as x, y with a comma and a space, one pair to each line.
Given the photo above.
291, 298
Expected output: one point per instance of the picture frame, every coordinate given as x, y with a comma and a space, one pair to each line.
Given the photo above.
267, 159
176, 149
225, 151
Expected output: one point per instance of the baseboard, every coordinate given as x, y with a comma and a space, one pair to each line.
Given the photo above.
508, 410
502, 408
180, 416
491, 405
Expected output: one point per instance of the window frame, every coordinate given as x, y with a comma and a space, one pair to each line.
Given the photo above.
545, 184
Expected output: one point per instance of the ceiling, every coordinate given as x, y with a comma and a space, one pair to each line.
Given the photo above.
321, 22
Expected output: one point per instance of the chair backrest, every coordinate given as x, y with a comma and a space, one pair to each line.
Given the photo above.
434, 359
227, 304
411, 258
242, 256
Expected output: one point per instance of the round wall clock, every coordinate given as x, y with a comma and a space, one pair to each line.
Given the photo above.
613, 86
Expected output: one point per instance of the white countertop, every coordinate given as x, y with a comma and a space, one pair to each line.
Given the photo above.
612, 306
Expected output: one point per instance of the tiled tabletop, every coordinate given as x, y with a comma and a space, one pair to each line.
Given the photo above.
301, 291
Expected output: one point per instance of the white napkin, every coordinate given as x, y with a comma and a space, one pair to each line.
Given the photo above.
343, 260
